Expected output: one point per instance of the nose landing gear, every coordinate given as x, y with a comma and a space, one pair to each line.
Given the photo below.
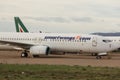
98, 57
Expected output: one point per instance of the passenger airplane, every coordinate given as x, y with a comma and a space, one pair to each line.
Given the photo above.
44, 43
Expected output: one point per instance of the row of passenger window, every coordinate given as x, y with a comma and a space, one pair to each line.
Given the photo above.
17, 39
34, 39
63, 40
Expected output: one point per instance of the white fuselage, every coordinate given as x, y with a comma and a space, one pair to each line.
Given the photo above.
62, 42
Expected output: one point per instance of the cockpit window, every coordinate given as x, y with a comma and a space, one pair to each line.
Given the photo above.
106, 41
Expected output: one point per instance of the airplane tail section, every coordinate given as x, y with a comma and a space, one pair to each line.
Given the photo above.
20, 27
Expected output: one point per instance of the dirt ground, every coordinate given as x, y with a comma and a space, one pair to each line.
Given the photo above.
13, 57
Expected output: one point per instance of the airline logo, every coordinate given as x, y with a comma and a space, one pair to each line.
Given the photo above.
68, 38
20, 29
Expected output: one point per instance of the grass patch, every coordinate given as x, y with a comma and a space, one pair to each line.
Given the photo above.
57, 72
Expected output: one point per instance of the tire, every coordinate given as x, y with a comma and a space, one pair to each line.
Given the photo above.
98, 57
24, 54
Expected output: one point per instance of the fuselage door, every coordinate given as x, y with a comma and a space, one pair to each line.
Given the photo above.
94, 41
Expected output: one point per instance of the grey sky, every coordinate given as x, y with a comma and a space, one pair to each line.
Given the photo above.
80, 16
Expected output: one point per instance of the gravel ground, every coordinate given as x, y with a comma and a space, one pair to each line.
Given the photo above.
13, 57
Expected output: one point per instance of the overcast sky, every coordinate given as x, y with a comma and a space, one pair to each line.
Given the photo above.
79, 16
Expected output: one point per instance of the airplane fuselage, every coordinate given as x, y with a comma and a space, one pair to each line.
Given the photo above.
62, 42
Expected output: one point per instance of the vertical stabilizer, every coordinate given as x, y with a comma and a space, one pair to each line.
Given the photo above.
20, 27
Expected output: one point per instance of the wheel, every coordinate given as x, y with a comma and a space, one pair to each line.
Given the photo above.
24, 54
98, 57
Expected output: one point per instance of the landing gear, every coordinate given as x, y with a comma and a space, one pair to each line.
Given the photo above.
98, 57
24, 54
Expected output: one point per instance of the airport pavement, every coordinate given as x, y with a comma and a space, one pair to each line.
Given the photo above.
13, 57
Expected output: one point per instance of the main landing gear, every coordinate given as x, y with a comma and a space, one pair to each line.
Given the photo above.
97, 56
24, 54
